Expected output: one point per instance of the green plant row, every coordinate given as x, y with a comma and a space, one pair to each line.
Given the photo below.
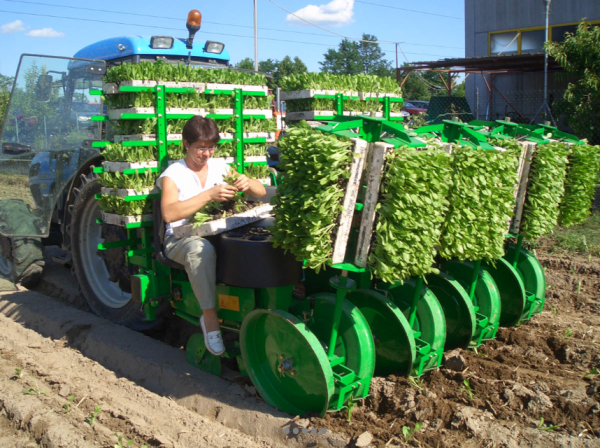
185, 101
229, 149
114, 204
545, 191
161, 71
328, 104
116, 152
309, 199
137, 181
344, 83
175, 126
411, 210
257, 171
481, 203
580, 184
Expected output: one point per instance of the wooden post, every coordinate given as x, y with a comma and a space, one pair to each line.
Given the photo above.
521, 190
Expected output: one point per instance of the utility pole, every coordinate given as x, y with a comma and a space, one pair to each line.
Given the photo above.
255, 36
545, 104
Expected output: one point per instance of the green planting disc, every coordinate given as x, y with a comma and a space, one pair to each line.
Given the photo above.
486, 301
458, 309
512, 291
354, 342
198, 356
429, 326
531, 271
286, 362
395, 349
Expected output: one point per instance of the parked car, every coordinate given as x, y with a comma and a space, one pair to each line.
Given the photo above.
413, 109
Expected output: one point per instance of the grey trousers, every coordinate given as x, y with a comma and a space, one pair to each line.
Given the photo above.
200, 260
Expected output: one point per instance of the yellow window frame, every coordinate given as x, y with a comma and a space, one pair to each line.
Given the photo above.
533, 28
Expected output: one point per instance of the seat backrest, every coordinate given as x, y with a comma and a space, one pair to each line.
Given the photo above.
159, 237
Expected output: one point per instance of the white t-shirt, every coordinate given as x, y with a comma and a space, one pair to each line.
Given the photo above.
188, 184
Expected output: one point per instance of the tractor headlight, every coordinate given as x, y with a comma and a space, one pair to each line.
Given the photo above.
161, 42
213, 47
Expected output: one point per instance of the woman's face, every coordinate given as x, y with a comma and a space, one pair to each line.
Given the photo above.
199, 152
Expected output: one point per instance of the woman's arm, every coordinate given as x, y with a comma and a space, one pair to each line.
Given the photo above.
173, 209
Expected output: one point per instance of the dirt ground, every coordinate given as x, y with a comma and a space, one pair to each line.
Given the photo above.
543, 369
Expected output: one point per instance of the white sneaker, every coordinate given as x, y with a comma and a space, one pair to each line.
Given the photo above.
212, 340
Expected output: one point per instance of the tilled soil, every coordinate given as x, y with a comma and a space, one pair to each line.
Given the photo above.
498, 395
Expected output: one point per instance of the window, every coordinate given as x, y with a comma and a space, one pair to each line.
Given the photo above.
558, 32
504, 43
533, 40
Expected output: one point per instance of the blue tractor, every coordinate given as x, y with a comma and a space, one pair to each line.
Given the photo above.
47, 186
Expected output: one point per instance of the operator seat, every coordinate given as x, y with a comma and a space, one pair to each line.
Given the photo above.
159, 237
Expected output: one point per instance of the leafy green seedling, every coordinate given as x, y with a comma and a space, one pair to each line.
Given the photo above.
351, 404
415, 382
34, 391
555, 311
408, 433
467, 389
92, 418
120, 443
592, 373
18, 374
568, 333
68, 406
548, 428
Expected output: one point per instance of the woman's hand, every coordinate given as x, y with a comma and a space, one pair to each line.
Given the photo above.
223, 192
242, 183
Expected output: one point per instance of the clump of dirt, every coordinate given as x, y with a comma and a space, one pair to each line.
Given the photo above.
535, 384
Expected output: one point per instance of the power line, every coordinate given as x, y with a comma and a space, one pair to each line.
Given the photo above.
409, 10
179, 19
179, 29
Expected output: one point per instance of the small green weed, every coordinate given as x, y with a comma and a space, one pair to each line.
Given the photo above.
92, 418
416, 382
68, 406
467, 389
548, 428
408, 433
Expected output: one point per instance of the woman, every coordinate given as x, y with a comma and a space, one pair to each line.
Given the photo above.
187, 186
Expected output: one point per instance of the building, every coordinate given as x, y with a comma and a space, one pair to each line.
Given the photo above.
506, 38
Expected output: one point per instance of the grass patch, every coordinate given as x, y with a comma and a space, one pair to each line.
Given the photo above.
581, 239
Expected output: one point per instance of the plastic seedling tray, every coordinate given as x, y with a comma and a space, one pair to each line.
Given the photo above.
111, 88
115, 114
225, 224
117, 167
124, 192
217, 86
122, 221
364, 95
145, 137
268, 113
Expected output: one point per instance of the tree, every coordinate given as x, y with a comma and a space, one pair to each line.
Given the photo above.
352, 58
579, 55
245, 64
5, 87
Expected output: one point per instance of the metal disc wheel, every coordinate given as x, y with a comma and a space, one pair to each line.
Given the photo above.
197, 355
429, 324
486, 300
103, 276
355, 340
395, 348
458, 310
532, 274
286, 362
512, 291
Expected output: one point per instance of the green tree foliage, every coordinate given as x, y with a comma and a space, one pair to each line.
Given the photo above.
5, 87
579, 55
277, 69
352, 58
245, 64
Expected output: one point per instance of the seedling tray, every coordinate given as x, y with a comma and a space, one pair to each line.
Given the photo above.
225, 224
118, 167
122, 221
124, 192
112, 88
269, 136
116, 114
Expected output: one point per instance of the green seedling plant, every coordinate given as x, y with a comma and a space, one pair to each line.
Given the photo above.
91, 420
69, 406
592, 374
567, 334
34, 391
350, 407
18, 373
122, 443
415, 382
115, 204
409, 432
548, 428
467, 389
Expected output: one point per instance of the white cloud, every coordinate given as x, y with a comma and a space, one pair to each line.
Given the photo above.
12, 27
45, 32
336, 13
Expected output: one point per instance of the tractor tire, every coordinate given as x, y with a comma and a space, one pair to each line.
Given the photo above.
22, 260
103, 276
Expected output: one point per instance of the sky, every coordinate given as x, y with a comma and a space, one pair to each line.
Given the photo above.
427, 30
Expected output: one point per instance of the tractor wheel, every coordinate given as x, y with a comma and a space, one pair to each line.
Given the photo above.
21, 260
103, 276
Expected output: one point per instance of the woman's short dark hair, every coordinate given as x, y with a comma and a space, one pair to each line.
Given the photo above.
201, 129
